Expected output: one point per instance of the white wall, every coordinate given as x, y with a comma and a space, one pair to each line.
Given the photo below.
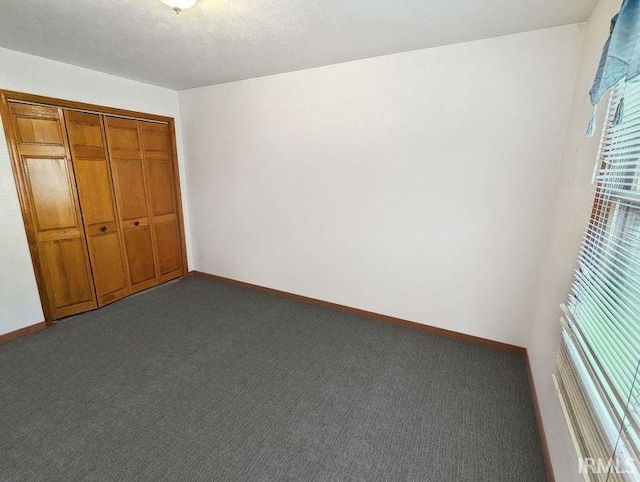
19, 300
418, 185
572, 209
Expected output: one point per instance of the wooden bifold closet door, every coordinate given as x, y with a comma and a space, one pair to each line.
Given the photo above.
145, 188
93, 179
55, 231
156, 148
100, 200
125, 150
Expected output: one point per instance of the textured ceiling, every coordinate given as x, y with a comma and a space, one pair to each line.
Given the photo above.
224, 40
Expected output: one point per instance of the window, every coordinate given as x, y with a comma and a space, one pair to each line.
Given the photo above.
598, 362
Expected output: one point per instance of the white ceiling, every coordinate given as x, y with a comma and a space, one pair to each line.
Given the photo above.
224, 40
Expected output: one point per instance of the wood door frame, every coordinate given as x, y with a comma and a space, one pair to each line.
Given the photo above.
7, 96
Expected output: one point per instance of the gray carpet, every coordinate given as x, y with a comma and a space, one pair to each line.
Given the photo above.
199, 380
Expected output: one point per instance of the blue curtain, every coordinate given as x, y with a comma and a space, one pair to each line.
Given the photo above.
621, 54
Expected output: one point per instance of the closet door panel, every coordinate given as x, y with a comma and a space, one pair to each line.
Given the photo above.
131, 190
39, 131
94, 187
51, 192
125, 151
53, 220
168, 241
158, 158
163, 198
140, 256
107, 261
93, 178
65, 267
156, 140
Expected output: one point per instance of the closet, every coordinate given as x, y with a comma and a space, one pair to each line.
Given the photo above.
100, 198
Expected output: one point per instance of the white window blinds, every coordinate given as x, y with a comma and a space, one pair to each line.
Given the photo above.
598, 362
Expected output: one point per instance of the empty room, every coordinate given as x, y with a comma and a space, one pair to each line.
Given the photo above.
356, 240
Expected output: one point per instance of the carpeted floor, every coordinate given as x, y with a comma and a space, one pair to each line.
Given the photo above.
199, 380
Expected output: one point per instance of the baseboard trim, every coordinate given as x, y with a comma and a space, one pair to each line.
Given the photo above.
475, 340
546, 455
27, 330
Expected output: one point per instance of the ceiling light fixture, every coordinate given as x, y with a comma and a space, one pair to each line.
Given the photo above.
179, 5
